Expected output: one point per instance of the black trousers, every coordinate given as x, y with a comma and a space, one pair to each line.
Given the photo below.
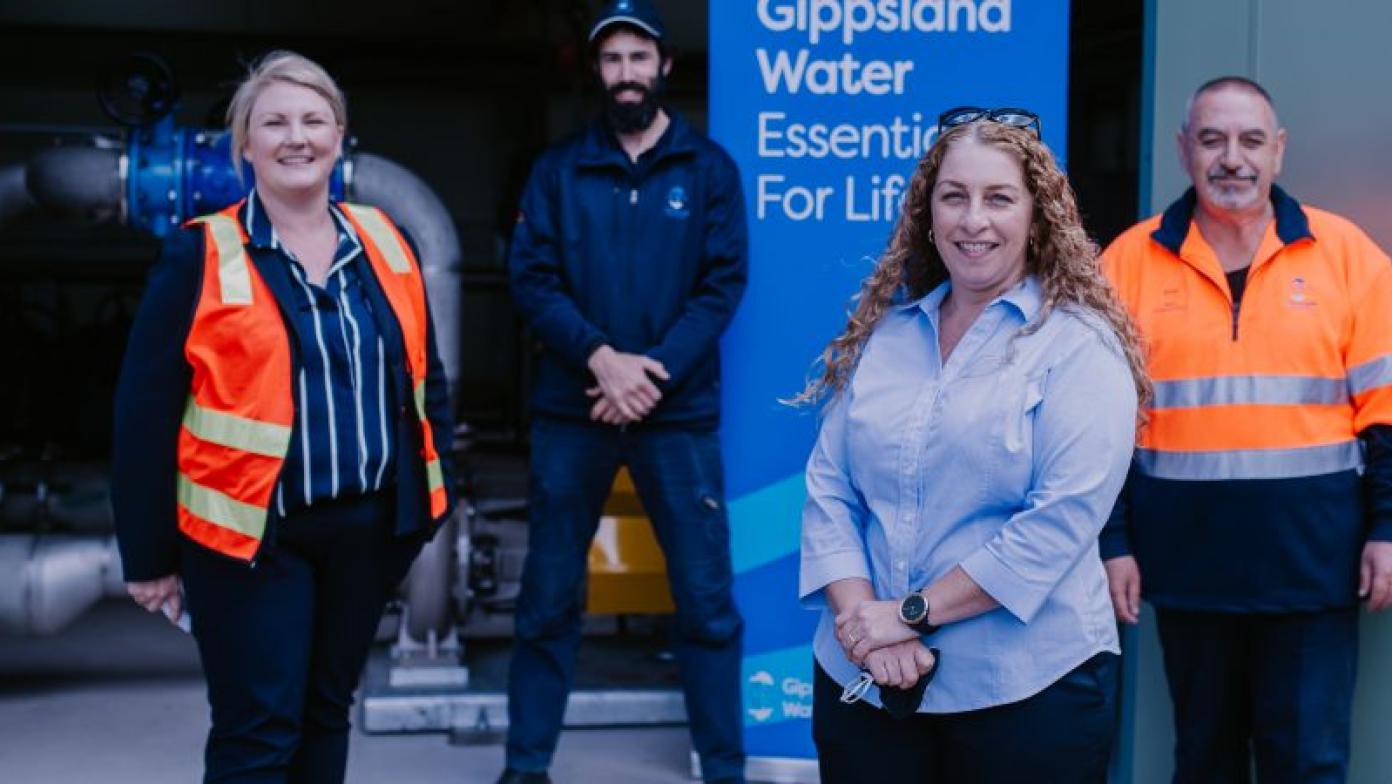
283, 643
1274, 689
1062, 735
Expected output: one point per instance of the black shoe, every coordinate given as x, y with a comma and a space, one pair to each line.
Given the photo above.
511, 776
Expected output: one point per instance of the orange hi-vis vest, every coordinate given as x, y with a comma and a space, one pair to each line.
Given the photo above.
237, 422
1279, 386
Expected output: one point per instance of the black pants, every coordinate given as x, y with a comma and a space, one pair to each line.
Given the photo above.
283, 644
1063, 735
1276, 688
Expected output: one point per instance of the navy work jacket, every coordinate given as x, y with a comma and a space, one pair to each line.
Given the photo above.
647, 256
154, 387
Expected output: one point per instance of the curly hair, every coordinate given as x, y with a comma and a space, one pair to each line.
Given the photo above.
1061, 257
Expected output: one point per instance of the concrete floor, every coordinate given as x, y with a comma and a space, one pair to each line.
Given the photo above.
118, 698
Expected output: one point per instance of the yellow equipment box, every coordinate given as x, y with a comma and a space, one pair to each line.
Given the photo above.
628, 575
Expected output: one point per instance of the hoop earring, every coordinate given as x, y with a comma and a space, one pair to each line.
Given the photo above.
931, 239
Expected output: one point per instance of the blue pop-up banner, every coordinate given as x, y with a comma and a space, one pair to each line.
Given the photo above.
827, 105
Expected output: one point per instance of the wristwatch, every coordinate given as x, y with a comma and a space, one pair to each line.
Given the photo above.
913, 611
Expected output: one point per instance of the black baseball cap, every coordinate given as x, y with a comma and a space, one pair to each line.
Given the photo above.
638, 13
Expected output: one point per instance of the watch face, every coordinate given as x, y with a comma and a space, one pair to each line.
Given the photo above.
913, 608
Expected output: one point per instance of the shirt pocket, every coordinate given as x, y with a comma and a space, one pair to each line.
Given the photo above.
1018, 419
1011, 447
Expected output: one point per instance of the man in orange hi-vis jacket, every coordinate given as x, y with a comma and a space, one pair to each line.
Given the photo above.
1258, 509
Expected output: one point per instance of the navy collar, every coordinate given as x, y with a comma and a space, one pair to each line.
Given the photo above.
600, 147
260, 233
1291, 221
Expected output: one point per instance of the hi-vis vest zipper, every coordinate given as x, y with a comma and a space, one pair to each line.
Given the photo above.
237, 423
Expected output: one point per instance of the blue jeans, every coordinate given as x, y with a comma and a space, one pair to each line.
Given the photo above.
678, 477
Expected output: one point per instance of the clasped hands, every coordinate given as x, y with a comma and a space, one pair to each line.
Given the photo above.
874, 638
624, 391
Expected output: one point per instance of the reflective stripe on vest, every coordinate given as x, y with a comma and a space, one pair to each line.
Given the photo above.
239, 417
230, 430
434, 474
213, 506
234, 273
371, 221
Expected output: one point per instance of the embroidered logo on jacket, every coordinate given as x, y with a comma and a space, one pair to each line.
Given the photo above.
676, 203
1174, 297
1301, 294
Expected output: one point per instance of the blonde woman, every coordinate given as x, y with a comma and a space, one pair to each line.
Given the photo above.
980, 410
282, 434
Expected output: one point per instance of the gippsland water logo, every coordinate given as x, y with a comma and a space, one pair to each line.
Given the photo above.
1301, 294
772, 699
676, 203
846, 19
761, 696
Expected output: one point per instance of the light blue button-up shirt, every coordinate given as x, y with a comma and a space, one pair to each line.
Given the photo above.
1004, 461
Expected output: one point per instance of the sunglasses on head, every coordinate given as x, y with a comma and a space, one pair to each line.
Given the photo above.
1015, 118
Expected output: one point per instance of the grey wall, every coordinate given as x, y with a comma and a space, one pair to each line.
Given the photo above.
1326, 66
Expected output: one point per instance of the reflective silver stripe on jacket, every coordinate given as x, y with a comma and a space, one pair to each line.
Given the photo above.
1250, 390
1250, 463
1370, 375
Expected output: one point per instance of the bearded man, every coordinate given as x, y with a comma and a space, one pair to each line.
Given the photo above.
627, 261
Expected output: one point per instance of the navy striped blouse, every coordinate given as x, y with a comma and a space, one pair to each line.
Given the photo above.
341, 444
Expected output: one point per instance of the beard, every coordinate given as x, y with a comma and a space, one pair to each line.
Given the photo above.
627, 118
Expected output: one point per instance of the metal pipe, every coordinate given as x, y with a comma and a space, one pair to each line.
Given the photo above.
76, 180
46, 582
79, 181
411, 203
14, 192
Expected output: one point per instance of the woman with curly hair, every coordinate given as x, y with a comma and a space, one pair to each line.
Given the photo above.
980, 411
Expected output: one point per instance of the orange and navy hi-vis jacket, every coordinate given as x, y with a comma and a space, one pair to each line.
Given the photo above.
1246, 491
237, 422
